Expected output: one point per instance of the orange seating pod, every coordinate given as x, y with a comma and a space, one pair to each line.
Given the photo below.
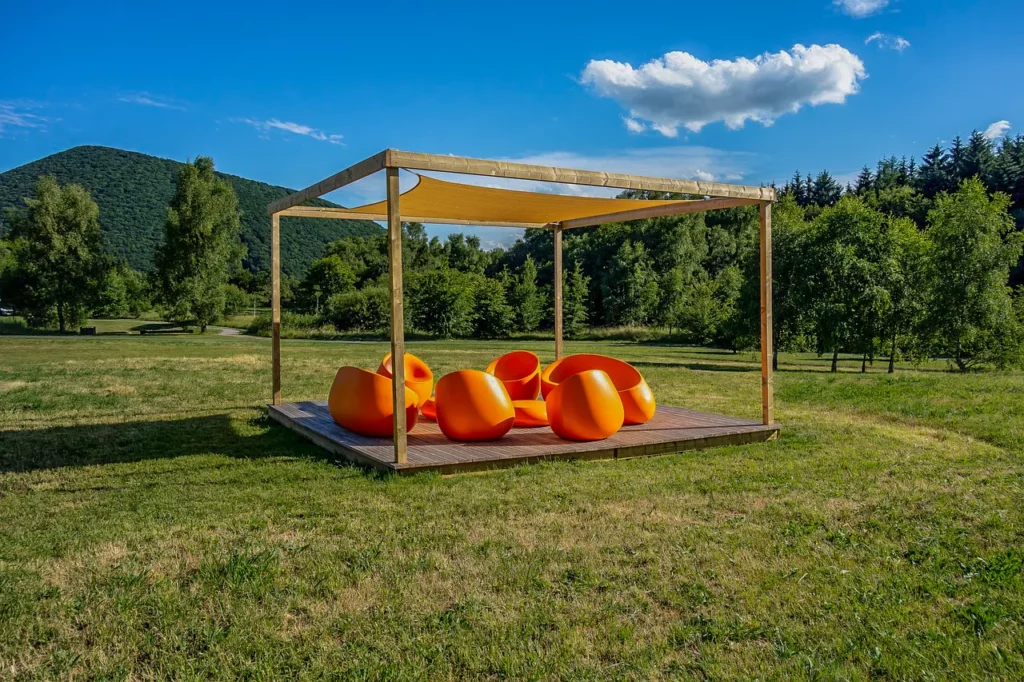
361, 401
418, 376
520, 372
473, 405
585, 406
637, 397
530, 413
429, 409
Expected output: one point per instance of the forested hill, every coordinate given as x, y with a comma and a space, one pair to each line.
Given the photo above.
132, 191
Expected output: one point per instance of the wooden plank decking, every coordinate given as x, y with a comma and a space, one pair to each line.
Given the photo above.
673, 429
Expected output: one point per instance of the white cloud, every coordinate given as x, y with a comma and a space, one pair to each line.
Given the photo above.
18, 114
887, 42
294, 128
682, 90
997, 129
149, 100
633, 125
860, 8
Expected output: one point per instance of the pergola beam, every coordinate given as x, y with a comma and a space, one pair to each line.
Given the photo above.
344, 214
522, 171
338, 180
658, 211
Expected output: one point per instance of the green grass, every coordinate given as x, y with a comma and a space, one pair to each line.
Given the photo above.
154, 524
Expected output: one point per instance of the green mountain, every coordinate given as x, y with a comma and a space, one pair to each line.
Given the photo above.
133, 190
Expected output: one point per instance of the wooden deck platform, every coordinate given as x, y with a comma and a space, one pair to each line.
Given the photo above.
673, 429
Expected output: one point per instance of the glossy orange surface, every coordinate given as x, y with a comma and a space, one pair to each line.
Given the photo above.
429, 409
530, 413
418, 376
361, 402
473, 405
585, 406
520, 372
637, 398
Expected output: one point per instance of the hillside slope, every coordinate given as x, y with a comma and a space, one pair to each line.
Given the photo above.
133, 190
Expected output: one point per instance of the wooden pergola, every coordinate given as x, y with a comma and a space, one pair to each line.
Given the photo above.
711, 196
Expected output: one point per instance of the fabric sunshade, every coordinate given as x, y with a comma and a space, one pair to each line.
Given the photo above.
433, 198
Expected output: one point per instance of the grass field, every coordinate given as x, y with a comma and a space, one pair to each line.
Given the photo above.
154, 524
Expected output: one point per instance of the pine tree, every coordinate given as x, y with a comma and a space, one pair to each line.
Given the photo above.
525, 299
956, 162
825, 190
934, 175
978, 159
630, 286
865, 181
574, 301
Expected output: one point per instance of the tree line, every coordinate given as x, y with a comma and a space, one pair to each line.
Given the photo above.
914, 260
54, 272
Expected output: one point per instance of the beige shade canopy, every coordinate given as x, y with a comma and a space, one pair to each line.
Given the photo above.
439, 199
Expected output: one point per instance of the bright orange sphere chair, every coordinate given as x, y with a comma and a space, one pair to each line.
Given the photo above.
473, 405
520, 372
637, 397
429, 409
418, 376
361, 402
585, 406
530, 413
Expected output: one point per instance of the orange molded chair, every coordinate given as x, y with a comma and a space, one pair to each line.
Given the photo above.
361, 402
418, 376
473, 405
637, 397
429, 409
520, 372
585, 406
530, 413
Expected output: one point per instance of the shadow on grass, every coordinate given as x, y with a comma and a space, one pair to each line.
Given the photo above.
697, 366
92, 444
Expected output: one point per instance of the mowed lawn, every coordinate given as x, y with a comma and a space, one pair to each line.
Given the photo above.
155, 525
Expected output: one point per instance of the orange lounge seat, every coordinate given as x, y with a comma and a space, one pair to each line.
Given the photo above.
361, 402
473, 405
429, 409
418, 376
530, 413
636, 396
520, 372
585, 406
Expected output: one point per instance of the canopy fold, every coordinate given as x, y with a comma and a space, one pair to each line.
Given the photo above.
440, 199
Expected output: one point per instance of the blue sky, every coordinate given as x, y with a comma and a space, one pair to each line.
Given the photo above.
289, 96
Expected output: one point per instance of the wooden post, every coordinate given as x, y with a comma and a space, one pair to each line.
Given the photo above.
767, 387
397, 315
275, 305
558, 292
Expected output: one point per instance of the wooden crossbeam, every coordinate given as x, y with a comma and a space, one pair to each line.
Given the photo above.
522, 171
342, 214
349, 175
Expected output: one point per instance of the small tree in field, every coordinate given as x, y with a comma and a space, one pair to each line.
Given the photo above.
524, 298
972, 320
201, 246
57, 255
574, 301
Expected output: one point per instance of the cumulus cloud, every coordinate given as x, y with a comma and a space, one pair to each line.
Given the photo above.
18, 114
149, 100
294, 128
997, 129
887, 42
860, 8
633, 125
682, 90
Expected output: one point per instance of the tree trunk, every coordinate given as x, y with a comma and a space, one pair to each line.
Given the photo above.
60, 318
775, 359
835, 359
864, 363
892, 355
